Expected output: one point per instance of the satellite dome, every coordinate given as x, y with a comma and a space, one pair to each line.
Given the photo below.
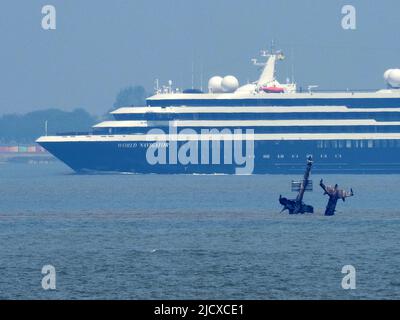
386, 74
229, 84
392, 76
215, 84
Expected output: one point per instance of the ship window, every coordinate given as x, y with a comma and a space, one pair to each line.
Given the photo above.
370, 144
320, 144
361, 144
334, 144
341, 144
348, 144
326, 144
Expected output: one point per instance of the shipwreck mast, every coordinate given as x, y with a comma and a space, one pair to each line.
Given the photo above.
297, 206
304, 184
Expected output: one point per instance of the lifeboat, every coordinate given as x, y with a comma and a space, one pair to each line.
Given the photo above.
273, 89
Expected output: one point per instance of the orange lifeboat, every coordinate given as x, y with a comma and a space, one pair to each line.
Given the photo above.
273, 89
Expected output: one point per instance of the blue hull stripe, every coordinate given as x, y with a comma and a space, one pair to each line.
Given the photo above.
270, 157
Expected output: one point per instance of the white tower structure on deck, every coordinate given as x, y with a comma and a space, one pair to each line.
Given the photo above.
267, 81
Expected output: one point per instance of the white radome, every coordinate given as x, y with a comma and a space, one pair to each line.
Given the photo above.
215, 84
229, 84
392, 77
386, 74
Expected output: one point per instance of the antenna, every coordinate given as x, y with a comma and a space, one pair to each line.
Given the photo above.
201, 77
272, 46
169, 86
292, 60
192, 75
157, 86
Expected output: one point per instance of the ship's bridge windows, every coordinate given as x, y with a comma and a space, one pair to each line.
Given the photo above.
320, 144
341, 144
334, 144
348, 144
370, 144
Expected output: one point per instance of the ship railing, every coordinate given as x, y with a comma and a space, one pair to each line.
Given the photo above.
74, 133
347, 90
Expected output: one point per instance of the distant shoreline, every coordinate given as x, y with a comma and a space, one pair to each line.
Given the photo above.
25, 154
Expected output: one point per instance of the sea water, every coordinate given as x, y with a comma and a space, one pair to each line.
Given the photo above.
193, 236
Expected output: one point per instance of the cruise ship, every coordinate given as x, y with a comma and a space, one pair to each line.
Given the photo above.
263, 127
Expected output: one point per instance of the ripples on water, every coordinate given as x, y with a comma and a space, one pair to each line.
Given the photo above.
192, 237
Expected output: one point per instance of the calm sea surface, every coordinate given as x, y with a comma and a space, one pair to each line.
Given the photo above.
192, 237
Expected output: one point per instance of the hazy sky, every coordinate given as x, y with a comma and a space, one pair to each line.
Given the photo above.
102, 46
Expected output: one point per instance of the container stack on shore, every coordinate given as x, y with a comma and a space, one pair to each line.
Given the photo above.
24, 153
22, 149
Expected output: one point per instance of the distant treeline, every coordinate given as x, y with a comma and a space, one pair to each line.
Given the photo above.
26, 128
131, 96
